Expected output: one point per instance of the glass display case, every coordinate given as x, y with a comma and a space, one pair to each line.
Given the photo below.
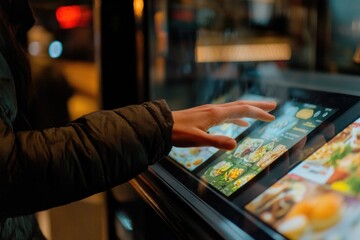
285, 178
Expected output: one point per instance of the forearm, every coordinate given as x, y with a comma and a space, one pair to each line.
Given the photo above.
92, 154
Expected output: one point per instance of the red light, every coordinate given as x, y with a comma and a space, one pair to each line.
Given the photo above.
73, 16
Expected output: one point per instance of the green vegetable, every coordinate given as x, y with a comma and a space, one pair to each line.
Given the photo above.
354, 183
339, 153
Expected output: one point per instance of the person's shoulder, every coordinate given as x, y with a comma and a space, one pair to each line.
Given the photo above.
8, 104
5, 71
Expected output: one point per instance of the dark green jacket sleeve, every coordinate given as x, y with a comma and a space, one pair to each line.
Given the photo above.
44, 169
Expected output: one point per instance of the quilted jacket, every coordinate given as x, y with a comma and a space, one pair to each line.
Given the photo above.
44, 169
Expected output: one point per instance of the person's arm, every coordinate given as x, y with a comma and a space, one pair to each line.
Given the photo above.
44, 169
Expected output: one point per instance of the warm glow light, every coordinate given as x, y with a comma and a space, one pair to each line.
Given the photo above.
244, 53
73, 16
356, 57
138, 8
34, 48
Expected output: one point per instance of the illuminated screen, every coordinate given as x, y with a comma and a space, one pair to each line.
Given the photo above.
320, 197
263, 145
191, 158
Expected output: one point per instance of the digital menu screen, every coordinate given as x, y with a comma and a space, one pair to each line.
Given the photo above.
263, 145
320, 197
192, 157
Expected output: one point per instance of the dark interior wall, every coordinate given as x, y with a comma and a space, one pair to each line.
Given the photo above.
118, 54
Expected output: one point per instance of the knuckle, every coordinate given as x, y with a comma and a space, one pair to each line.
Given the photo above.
213, 111
245, 108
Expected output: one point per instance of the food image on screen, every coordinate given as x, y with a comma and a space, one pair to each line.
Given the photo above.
265, 145
229, 176
247, 147
216, 173
271, 156
260, 152
220, 168
232, 187
337, 163
191, 158
276, 202
301, 209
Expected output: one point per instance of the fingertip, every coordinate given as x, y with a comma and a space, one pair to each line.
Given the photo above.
229, 144
271, 118
267, 117
273, 104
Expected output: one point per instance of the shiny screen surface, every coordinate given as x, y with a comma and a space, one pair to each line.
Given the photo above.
320, 196
264, 145
191, 158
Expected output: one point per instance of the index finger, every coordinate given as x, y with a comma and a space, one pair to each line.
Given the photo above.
265, 105
241, 111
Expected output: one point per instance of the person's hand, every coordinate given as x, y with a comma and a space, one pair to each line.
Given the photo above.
191, 125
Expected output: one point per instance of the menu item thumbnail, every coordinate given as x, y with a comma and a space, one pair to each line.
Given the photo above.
300, 209
265, 145
337, 163
223, 173
220, 168
191, 157
261, 151
271, 156
247, 147
232, 187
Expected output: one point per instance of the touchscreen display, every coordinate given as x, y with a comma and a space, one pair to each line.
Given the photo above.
320, 197
191, 158
262, 146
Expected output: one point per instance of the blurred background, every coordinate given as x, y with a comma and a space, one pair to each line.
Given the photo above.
65, 52
62, 52
91, 54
